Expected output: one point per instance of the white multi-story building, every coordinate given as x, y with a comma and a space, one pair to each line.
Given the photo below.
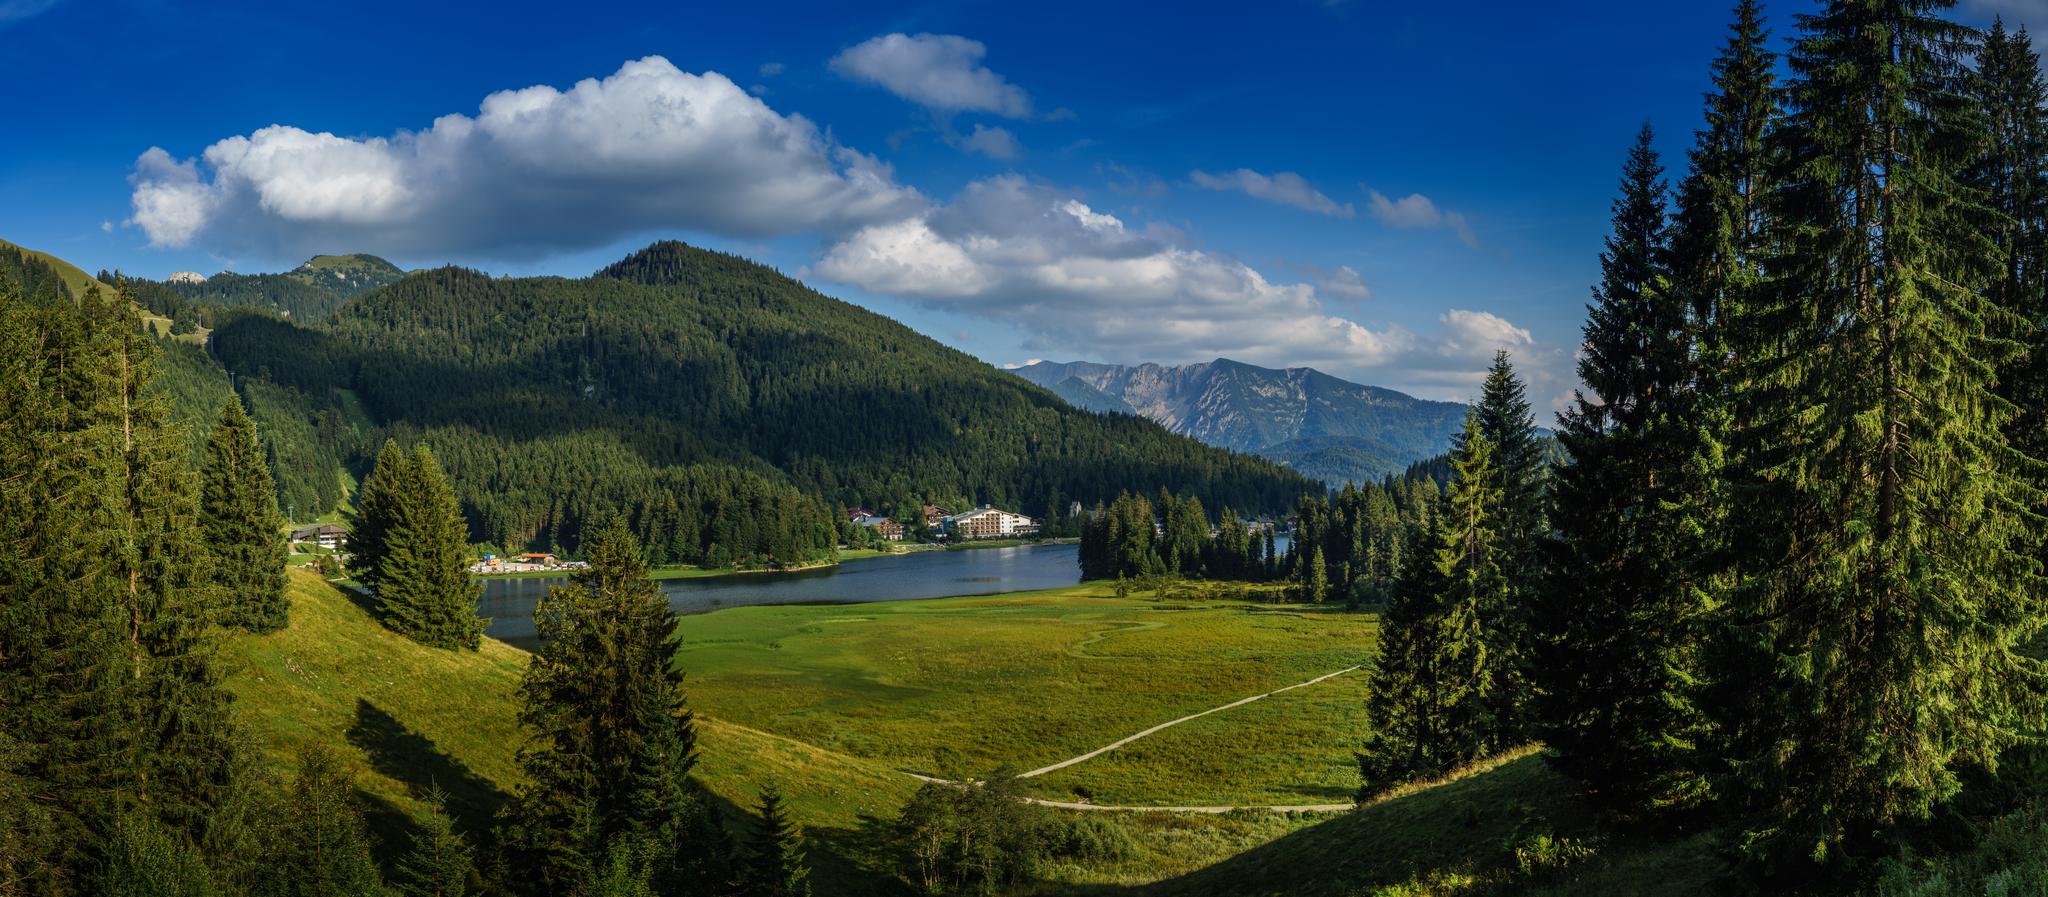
989, 523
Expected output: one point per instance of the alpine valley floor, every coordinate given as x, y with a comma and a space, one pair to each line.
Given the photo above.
841, 706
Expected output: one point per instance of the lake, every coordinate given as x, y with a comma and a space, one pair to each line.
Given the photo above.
509, 601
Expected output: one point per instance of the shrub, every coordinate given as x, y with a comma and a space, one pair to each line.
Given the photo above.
1094, 839
1543, 858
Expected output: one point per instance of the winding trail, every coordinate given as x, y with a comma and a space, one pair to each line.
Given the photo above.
1063, 764
1077, 805
1080, 648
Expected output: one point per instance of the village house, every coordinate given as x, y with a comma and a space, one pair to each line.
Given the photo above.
935, 516
325, 535
988, 522
891, 530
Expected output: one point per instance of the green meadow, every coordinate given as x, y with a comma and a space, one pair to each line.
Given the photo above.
963, 687
835, 704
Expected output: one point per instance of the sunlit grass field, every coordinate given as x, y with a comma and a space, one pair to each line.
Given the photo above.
962, 687
1291, 749
830, 704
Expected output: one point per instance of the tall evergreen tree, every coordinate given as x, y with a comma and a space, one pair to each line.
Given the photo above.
421, 574
181, 757
323, 848
1721, 236
1427, 702
439, 862
1628, 595
2011, 170
775, 864
59, 634
1889, 571
1508, 424
377, 507
1315, 578
614, 745
238, 508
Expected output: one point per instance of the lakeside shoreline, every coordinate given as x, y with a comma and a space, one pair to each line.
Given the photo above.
682, 571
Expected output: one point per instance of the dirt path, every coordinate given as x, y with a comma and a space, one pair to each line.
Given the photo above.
1063, 764
1080, 648
1077, 805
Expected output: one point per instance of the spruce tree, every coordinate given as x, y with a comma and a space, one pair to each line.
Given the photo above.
421, 574
1888, 573
775, 864
1628, 595
1509, 425
323, 848
613, 744
2011, 171
439, 862
182, 756
238, 508
1720, 239
1315, 578
60, 652
143, 859
377, 507
1428, 687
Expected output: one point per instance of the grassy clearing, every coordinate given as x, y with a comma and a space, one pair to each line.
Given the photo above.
1507, 826
960, 687
830, 703
409, 718
1290, 749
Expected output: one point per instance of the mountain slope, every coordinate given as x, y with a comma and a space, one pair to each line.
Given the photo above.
1325, 427
348, 276
551, 400
310, 292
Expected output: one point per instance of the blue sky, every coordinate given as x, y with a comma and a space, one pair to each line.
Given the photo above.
1384, 191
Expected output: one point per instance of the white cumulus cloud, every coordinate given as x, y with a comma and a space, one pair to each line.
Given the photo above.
1418, 212
1081, 282
1080, 279
1285, 188
536, 170
942, 72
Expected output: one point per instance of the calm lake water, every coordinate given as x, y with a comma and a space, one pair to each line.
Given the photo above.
925, 574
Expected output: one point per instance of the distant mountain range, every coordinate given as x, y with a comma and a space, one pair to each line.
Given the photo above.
1324, 427
310, 292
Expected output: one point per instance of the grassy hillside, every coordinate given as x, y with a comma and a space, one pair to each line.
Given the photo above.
409, 718
77, 282
832, 703
348, 276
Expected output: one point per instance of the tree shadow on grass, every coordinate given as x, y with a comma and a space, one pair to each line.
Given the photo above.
358, 595
412, 758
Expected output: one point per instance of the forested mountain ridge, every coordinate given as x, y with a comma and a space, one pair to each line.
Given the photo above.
682, 372
1323, 426
347, 275
309, 293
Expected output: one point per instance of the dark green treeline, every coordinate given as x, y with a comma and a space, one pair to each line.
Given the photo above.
121, 769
